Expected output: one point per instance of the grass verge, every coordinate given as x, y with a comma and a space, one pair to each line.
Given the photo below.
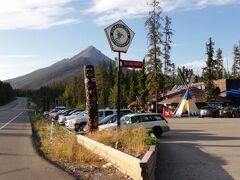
61, 147
135, 142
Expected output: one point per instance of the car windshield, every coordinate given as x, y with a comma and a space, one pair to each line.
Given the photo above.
124, 119
109, 119
156, 118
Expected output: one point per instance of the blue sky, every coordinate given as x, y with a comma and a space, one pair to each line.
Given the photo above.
36, 33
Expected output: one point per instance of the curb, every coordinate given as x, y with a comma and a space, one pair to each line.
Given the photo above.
139, 169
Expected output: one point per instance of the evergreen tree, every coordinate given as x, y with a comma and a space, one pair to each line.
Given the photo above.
208, 71
55, 91
102, 81
74, 93
184, 75
142, 86
154, 64
168, 65
236, 62
6, 93
113, 96
167, 33
133, 88
219, 69
226, 74
111, 74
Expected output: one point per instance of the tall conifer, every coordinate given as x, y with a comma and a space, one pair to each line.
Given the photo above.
154, 63
208, 72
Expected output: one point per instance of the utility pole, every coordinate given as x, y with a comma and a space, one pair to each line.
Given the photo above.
119, 89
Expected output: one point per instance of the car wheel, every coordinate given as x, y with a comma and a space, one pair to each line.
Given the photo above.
82, 126
77, 127
157, 131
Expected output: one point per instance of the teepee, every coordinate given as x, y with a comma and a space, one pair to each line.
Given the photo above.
187, 106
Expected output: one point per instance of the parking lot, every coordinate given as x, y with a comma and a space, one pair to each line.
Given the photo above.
200, 148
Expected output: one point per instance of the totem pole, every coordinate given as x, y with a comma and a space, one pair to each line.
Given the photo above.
91, 97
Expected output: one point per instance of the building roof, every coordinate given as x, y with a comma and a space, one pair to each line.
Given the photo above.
197, 95
175, 96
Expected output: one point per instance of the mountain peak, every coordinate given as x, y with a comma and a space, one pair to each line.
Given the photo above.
61, 71
91, 48
90, 52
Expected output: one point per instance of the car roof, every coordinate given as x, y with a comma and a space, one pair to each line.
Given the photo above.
141, 114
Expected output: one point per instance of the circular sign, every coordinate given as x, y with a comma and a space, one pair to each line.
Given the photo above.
120, 35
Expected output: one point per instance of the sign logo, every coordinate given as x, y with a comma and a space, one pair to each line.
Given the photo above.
119, 36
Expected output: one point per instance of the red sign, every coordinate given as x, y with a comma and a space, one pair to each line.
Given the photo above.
131, 64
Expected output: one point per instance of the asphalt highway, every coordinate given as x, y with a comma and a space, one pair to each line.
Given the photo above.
18, 158
200, 149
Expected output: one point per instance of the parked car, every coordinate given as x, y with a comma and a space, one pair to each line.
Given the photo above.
229, 111
152, 121
80, 122
109, 119
54, 116
60, 113
69, 119
208, 111
55, 110
63, 118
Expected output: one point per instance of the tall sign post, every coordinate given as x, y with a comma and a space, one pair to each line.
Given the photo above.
119, 36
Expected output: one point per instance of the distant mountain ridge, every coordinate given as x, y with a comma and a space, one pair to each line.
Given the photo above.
60, 71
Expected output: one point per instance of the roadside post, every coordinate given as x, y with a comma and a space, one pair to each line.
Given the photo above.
119, 36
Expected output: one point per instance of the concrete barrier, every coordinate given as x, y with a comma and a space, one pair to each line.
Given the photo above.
125, 163
148, 163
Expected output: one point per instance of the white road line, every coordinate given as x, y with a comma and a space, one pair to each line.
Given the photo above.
10, 121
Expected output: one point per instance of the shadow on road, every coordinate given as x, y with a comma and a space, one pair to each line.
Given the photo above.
185, 161
194, 135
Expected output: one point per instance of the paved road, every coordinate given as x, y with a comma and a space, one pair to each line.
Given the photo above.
200, 149
18, 159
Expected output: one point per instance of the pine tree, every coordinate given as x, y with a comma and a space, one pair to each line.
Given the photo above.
168, 65
74, 93
113, 96
236, 62
219, 69
208, 71
184, 75
133, 88
167, 33
111, 74
154, 64
6, 92
102, 81
142, 86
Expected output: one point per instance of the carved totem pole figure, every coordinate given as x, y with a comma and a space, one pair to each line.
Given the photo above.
91, 97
